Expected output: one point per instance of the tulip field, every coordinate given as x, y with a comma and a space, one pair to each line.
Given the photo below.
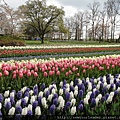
60, 87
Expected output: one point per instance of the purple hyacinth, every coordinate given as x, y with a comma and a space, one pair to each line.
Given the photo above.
76, 81
14, 91
67, 96
80, 94
81, 102
83, 87
23, 102
92, 95
80, 107
0, 114
64, 88
101, 85
108, 80
93, 86
12, 100
103, 99
72, 88
64, 82
18, 109
101, 79
116, 93
39, 100
67, 105
1, 98
93, 102
26, 94
52, 109
97, 92
106, 96
18, 117
27, 90
35, 90
19, 94
55, 96
79, 86
104, 90
35, 104
51, 88
43, 86
8, 105
55, 101
111, 86
117, 84
47, 93
29, 113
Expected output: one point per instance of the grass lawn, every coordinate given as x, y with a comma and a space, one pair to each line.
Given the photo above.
71, 42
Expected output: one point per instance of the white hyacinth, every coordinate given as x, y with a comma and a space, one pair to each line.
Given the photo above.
38, 110
26, 99
24, 111
95, 80
71, 95
111, 94
61, 104
98, 86
86, 101
67, 85
88, 79
97, 100
24, 89
12, 94
46, 89
32, 99
71, 83
40, 94
109, 99
44, 102
29, 107
6, 100
18, 103
76, 93
11, 111
105, 84
112, 80
6, 94
73, 102
60, 98
76, 87
50, 97
61, 84
99, 96
60, 91
108, 86
31, 92
0, 106
118, 89
73, 110
53, 91
67, 89
79, 81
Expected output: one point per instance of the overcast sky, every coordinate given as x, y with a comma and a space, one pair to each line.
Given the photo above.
70, 6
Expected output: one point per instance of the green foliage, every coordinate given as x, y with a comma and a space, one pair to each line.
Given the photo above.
11, 41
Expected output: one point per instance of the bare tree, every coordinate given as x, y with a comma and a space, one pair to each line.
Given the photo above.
113, 10
94, 10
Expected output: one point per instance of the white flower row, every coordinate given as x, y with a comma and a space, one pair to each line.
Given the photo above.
56, 46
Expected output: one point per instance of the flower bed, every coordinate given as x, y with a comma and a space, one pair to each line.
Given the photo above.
51, 51
88, 96
16, 74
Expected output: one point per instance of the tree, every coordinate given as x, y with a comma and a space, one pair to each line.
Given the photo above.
41, 17
94, 10
113, 10
11, 18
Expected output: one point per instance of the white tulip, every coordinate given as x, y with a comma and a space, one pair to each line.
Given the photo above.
11, 111
73, 110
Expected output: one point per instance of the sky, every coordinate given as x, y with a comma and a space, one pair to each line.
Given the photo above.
70, 6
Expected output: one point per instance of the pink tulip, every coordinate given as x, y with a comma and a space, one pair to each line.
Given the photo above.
0, 74
67, 73
58, 72
6, 73
28, 74
14, 76
45, 74
35, 74
84, 71
63, 69
78, 74
21, 75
